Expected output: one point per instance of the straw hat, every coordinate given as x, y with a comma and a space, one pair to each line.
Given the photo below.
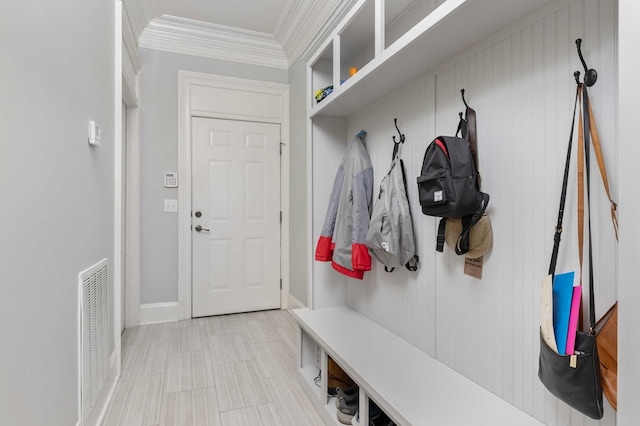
480, 237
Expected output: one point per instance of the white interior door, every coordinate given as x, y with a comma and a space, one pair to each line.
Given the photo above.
235, 216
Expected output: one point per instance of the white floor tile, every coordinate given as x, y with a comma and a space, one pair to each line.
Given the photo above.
292, 404
190, 408
227, 348
240, 385
231, 370
272, 359
261, 415
187, 371
136, 402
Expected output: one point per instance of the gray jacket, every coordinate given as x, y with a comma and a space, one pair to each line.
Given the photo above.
390, 237
344, 234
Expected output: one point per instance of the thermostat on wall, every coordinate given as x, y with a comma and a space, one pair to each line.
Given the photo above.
170, 180
94, 134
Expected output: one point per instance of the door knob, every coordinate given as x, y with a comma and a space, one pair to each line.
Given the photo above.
200, 228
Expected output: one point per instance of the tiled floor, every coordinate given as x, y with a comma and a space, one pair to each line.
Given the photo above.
231, 370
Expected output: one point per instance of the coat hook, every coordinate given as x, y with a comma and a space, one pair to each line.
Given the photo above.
576, 75
590, 75
463, 99
395, 122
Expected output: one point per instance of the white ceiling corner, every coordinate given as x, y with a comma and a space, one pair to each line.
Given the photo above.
299, 24
138, 15
190, 37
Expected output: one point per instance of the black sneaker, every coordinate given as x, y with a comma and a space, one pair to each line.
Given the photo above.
350, 394
346, 411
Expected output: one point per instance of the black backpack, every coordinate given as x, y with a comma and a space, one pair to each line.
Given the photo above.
449, 183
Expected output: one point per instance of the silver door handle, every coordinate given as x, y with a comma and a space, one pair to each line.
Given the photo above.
200, 228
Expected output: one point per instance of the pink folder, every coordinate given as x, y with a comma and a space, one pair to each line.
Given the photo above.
573, 319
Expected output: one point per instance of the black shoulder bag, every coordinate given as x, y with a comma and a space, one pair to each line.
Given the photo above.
575, 378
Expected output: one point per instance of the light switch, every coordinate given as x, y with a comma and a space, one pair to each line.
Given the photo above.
94, 134
171, 206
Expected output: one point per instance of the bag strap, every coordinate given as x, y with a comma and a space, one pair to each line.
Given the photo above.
590, 133
462, 245
587, 166
563, 194
414, 262
470, 115
467, 128
603, 171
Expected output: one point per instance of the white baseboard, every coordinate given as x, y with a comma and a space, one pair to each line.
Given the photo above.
294, 303
99, 410
114, 379
153, 313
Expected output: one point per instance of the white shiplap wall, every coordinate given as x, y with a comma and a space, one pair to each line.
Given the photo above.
520, 82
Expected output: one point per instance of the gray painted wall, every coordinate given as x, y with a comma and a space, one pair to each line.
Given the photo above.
159, 153
56, 214
298, 187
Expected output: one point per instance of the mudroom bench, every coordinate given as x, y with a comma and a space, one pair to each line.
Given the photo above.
405, 382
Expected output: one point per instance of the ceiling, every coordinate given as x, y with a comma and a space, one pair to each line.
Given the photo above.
270, 33
254, 15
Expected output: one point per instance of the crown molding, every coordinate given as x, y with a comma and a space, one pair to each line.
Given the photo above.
137, 16
300, 22
330, 23
191, 37
130, 40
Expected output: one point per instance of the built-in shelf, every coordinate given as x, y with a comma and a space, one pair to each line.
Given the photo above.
409, 385
452, 27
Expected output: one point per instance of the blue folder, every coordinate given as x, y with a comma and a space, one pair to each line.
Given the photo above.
562, 295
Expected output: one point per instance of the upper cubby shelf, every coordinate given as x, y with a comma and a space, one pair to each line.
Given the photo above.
383, 66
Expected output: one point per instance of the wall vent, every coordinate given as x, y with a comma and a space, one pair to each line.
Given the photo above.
95, 335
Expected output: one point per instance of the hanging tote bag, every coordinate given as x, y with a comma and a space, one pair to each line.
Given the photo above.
390, 236
574, 378
607, 326
607, 342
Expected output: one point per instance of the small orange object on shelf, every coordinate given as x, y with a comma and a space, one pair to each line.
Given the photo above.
352, 71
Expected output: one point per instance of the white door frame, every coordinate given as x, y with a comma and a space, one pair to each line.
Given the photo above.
132, 213
274, 97
131, 98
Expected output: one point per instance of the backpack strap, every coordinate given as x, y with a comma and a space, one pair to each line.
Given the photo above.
440, 238
472, 135
462, 127
467, 129
462, 245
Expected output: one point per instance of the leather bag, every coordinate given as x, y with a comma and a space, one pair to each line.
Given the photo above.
607, 342
575, 378
336, 376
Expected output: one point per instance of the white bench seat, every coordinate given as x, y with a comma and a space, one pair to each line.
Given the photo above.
409, 385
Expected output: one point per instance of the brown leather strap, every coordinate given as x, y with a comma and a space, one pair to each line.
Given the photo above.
580, 184
603, 171
470, 115
587, 167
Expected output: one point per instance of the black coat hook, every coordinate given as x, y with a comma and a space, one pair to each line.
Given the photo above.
576, 75
463, 99
590, 75
401, 140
